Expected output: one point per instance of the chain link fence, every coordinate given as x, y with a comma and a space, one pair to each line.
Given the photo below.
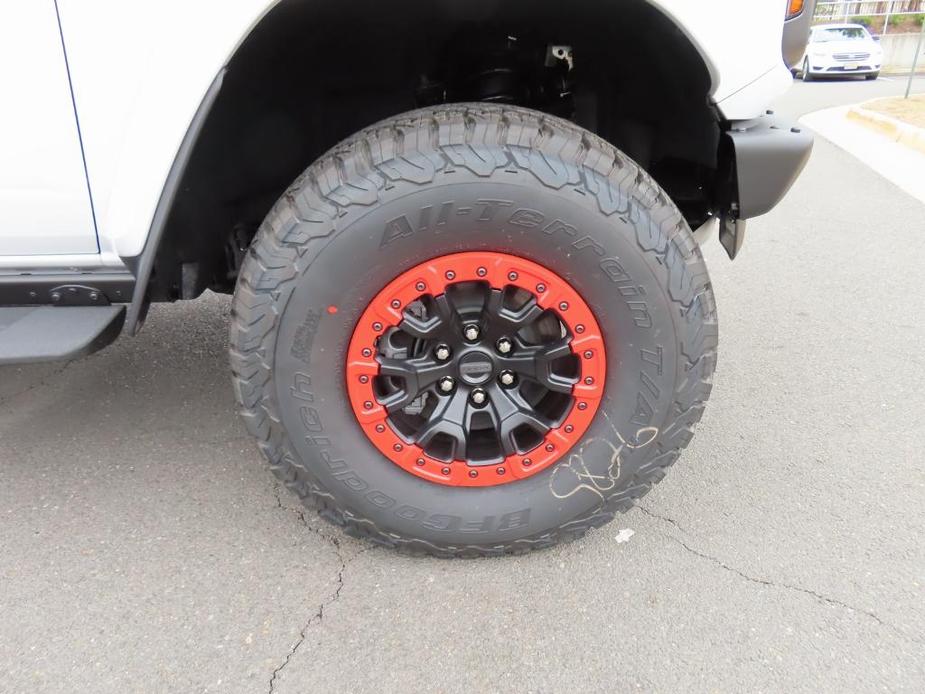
879, 17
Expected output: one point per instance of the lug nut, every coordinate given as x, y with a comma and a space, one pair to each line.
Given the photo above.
504, 345
442, 352
446, 384
479, 396
507, 378
471, 332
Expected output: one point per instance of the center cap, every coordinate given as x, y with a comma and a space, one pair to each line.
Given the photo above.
475, 368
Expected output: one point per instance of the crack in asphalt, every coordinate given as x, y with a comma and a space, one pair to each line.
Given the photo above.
317, 617
798, 589
661, 518
774, 584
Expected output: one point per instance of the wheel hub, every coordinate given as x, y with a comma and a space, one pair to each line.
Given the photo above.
476, 369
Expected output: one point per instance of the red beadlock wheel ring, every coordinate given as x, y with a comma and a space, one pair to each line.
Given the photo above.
432, 278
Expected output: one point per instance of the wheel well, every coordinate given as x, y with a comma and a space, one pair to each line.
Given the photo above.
310, 74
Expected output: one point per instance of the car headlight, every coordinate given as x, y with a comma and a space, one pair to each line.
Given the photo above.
818, 54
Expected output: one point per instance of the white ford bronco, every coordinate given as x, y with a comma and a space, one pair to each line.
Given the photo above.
470, 315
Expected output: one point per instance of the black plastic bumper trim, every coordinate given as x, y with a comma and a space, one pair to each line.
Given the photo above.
768, 155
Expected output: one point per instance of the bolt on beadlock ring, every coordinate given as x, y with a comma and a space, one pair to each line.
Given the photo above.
478, 369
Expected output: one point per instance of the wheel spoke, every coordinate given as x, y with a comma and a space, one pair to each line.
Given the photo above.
399, 368
419, 373
536, 362
422, 328
449, 418
522, 317
557, 349
511, 412
398, 400
505, 320
451, 321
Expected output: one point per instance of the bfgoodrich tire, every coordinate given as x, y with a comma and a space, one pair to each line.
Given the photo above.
512, 185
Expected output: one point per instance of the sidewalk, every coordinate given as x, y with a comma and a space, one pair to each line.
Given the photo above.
902, 165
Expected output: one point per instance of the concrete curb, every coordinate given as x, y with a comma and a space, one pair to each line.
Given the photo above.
900, 72
898, 131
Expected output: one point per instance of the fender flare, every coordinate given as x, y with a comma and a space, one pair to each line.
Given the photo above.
144, 263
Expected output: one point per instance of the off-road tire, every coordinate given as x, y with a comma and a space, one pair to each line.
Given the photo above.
625, 248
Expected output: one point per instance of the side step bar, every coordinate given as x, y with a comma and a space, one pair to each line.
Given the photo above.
52, 333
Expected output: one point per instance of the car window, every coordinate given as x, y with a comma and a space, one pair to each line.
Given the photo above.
840, 34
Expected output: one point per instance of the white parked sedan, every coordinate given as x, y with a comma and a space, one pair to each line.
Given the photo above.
835, 50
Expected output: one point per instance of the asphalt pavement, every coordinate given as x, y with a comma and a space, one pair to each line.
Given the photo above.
145, 547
